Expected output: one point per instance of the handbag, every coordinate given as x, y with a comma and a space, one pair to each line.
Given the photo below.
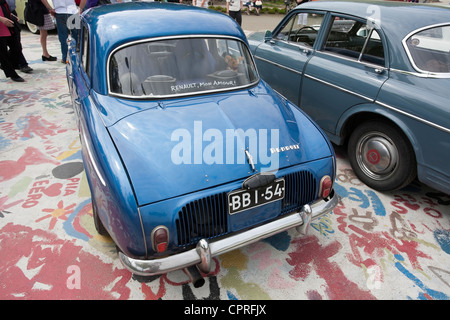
258, 3
33, 13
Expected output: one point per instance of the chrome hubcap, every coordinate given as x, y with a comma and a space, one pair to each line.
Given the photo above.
377, 155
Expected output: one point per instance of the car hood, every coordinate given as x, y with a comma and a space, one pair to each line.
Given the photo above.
178, 147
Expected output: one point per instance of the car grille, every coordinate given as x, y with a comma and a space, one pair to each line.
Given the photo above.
300, 190
207, 217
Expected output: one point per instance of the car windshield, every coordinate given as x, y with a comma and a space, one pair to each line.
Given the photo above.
430, 49
184, 66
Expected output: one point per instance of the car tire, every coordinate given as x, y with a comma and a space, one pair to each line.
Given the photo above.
381, 156
97, 222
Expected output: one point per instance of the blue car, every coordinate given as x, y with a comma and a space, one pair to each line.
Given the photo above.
188, 153
375, 77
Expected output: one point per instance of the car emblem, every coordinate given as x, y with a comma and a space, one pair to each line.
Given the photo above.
285, 148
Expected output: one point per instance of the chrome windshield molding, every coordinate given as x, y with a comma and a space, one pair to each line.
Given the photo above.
426, 74
218, 247
339, 88
178, 95
444, 129
145, 97
279, 65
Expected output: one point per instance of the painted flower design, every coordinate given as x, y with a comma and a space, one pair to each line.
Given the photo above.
60, 212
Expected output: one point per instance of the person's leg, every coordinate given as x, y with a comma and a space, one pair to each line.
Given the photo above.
7, 67
15, 50
23, 63
63, 33
238, 17
43, 39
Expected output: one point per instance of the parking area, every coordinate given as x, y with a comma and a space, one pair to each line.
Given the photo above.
393, 245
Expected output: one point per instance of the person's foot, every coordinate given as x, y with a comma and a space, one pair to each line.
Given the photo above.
49, 58
26, 69
17, 79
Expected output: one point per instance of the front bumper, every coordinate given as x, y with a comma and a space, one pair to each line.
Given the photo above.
203, 253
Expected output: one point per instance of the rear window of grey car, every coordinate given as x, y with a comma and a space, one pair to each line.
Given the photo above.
184, 66
429, 49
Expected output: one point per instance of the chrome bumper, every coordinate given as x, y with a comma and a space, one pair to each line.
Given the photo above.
203, 253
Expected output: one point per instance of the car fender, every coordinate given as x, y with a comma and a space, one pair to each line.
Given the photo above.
368, 111
116, 206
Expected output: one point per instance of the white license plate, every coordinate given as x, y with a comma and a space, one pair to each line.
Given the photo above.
242, 199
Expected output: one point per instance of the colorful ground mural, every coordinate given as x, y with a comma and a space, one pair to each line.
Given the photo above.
373, 246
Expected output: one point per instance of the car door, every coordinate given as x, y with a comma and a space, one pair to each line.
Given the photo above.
348, 69
281, 59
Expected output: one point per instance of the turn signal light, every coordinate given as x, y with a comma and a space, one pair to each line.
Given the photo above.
160, 238
325, 186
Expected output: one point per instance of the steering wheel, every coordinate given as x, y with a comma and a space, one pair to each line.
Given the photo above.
305, 27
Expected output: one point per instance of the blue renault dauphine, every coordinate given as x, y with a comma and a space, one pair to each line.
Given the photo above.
188, 153
375, 76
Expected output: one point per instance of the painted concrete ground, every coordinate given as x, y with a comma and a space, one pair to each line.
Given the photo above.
373, 246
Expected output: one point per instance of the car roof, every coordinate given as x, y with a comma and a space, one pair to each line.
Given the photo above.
396, 17
118, 23
115, 24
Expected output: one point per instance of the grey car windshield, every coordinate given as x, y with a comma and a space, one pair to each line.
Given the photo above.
182, 66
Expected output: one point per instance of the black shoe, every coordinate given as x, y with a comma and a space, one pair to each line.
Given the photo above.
17, 79
26, 69
44, 58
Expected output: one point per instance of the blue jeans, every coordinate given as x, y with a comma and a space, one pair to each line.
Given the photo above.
63, 32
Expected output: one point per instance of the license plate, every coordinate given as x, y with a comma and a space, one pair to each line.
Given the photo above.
242, 199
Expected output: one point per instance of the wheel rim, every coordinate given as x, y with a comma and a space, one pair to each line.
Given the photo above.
377, 155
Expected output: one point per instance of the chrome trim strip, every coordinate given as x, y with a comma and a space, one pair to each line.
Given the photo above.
339, 88
447, 130
91, 158
279, 65
364, 63
430, 75
193, 257
143, 231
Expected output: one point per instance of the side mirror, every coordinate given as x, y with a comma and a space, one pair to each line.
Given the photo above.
268, 36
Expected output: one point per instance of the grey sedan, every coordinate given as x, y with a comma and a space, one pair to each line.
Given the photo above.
375, 77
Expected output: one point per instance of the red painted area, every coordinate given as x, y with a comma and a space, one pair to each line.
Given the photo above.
368, 247
310, 255
32, 156
38, 265
36, 125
